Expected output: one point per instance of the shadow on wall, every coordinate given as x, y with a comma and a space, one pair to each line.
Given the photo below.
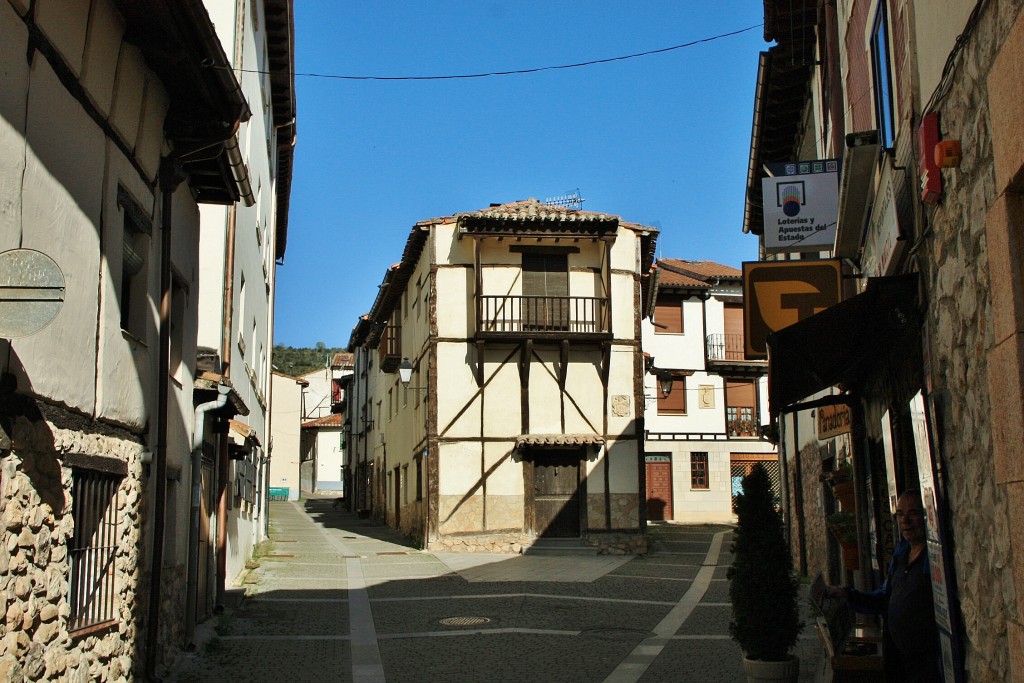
25, 433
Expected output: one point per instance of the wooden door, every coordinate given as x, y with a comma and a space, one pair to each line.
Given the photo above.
659, 488
556, 482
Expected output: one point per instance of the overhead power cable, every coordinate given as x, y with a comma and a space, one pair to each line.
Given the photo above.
515, 72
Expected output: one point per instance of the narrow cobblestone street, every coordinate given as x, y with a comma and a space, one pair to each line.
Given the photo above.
338, 598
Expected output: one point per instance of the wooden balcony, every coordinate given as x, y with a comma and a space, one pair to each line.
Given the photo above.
544, 317
390, 348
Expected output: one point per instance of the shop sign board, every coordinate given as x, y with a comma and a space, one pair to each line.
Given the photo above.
777, 294
801, 205
882, 244
833, 420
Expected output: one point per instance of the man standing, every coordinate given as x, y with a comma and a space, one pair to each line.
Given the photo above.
905, 600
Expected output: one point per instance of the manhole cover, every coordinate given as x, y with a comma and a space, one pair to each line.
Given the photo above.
464, 621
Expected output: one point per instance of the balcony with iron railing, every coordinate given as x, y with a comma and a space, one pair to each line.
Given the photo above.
725, 353
544, 317
725, 347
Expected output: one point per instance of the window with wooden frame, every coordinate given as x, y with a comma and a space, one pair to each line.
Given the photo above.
668, 316
545, 305
674, 402
93, 550
135, 244
698, 470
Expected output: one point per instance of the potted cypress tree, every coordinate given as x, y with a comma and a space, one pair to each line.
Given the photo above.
762, 586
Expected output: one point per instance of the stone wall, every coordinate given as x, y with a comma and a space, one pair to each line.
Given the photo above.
617, 543
37, 522
511, 542
955, 268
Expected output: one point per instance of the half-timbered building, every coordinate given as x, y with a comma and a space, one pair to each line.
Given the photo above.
517, 328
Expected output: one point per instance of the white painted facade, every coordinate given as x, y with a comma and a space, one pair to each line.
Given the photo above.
704, 426
237, 254
285, 433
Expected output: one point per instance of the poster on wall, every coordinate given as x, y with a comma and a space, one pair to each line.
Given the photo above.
943, 586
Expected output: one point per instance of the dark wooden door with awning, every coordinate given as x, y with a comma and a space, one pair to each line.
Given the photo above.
556, 489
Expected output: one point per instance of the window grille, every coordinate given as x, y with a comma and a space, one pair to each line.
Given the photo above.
698, 470
93, 549
741, 468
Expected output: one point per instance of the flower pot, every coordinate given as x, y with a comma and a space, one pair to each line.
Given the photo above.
758, 670
851, 556
843, 492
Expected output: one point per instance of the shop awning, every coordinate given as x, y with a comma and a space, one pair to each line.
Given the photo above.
843, 344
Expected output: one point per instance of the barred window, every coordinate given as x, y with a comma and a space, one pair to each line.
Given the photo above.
93, 549
698, 470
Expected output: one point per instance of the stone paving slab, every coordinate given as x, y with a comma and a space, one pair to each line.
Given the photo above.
288, 617
718, 591
503, 657
698, 660
707, 620
532, 612
357, 597
645, 569
261, 660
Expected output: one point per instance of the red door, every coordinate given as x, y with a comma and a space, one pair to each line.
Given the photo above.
659, 487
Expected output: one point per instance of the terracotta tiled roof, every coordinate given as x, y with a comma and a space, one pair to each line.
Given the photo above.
343, 360
533, 210
558, 440
332, 420
670, 278
700, 270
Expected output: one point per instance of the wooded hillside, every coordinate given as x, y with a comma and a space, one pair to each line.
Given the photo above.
297, 361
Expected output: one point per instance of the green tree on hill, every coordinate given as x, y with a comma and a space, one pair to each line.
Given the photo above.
297, 361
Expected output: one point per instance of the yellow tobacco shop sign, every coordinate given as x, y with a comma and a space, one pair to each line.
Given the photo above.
833, 420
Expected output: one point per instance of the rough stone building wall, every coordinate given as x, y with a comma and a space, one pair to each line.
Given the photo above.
37, 523
955, 269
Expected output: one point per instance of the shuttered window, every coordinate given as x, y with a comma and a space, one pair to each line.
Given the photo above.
545, 291
668, 316
675, 402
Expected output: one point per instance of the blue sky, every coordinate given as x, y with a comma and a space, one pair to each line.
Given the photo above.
661, 140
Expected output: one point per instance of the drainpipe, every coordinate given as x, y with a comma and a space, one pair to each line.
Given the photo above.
170, 177
222, 444
192, 582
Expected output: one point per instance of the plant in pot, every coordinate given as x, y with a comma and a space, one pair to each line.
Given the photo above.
762, 586
844, 527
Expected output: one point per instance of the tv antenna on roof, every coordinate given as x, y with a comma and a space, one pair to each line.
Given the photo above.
569, 200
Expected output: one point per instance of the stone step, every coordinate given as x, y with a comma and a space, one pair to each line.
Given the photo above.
560, 547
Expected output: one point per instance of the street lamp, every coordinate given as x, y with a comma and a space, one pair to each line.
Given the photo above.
665, 381
405, 372
405, 375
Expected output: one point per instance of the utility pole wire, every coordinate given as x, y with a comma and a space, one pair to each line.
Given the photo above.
515, 72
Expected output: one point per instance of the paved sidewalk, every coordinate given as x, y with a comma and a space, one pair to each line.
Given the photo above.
340, 598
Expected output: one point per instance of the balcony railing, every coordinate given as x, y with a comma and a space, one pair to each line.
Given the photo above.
725, 347
544, 315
